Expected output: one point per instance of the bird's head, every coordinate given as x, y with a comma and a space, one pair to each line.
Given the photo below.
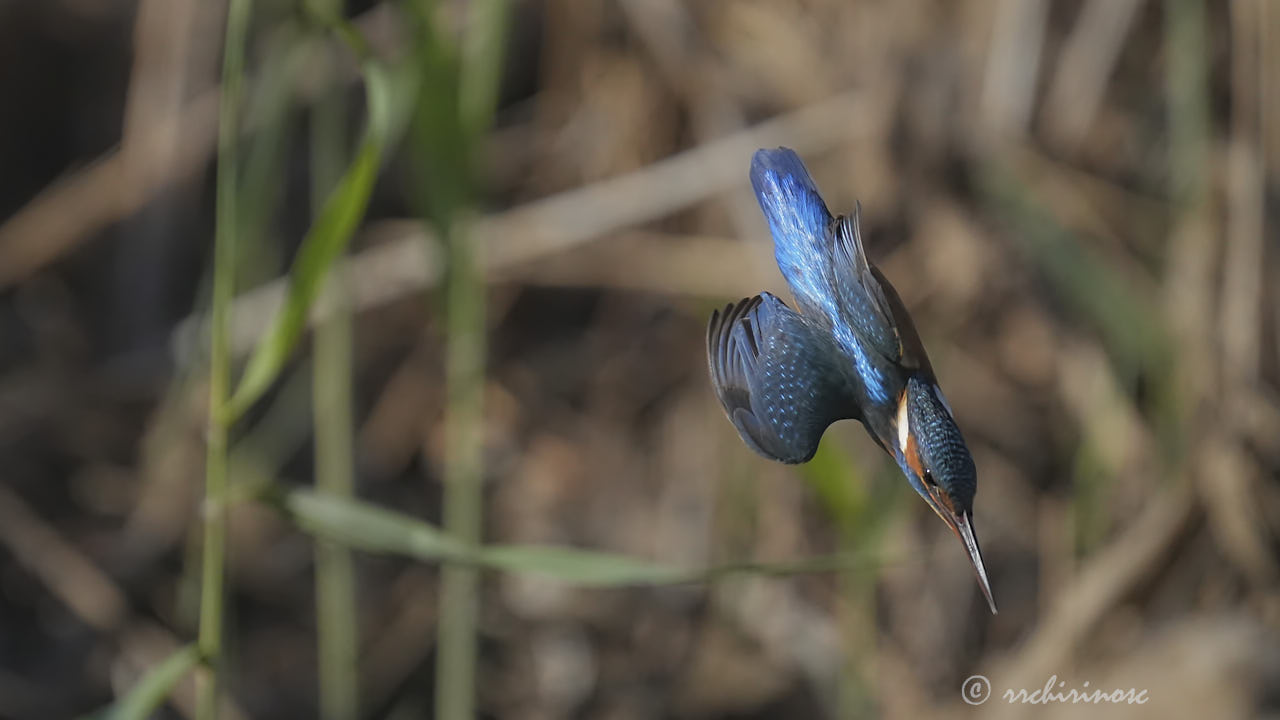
937, 462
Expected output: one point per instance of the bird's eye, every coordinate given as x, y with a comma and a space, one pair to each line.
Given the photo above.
928, 479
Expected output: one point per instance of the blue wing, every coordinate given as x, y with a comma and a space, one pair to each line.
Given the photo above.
774, 373
863, 298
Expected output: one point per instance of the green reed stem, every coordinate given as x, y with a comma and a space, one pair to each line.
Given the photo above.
334, 452
464, 466
465, 356
224, 261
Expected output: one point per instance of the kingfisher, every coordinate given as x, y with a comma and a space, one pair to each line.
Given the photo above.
849, 350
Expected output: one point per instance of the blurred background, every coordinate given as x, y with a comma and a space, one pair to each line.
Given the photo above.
1077, 200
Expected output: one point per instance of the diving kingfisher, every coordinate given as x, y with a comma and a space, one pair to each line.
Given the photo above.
848, 351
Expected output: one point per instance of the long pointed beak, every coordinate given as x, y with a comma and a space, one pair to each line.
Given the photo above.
962, 525
964, 528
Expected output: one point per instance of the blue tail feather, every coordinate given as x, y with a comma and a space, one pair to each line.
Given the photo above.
800, 223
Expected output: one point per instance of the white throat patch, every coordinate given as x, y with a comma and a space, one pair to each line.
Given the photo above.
904, 424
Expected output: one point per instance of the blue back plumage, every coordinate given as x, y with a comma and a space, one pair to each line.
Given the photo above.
804, 244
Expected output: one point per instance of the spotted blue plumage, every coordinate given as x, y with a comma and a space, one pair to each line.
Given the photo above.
776, 375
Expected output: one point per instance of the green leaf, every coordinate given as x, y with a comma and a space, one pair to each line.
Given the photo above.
322, 246
373, 529
580, 567
370, 528
154, 687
